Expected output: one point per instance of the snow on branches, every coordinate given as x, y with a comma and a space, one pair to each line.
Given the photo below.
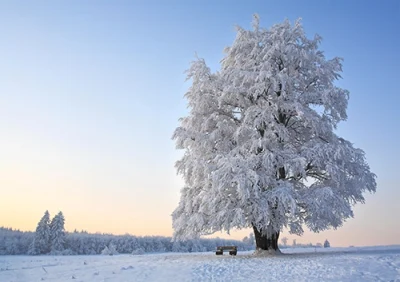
259, 141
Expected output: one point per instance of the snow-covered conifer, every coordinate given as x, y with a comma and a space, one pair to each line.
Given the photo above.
139, 251
106, 251
113, 249
110, 250
41, 241
259, 141
57, 233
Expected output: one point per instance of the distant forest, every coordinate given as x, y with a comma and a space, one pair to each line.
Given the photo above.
15, 242
51, 238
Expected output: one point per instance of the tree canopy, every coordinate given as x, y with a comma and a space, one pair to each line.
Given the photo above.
259, 141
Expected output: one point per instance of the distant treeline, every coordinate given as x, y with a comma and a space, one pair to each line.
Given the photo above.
15, 242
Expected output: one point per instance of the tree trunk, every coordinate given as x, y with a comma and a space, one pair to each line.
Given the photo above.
266, 242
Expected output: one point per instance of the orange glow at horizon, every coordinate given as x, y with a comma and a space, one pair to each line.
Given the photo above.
91, 204
352, 233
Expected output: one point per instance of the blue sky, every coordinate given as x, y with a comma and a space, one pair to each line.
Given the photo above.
91, 91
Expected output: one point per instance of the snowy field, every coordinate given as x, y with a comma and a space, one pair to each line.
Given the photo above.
308, 264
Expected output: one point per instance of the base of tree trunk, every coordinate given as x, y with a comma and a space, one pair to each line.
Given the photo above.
267, 242
266, 253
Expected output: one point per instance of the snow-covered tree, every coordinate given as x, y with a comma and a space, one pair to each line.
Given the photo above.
57, 233
259, 141
178, 246
110, 250
327, 244
41, 240
249, 240
252, 239
284, 241
106, 251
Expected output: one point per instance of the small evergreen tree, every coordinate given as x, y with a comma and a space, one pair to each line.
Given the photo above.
113, 249
41, 241
327, 244
106, 251
139, 251
57, 233
110, 250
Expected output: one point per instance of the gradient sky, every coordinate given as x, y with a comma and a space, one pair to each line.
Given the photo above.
91, 91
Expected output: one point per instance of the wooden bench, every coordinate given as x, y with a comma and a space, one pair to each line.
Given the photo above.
232, 250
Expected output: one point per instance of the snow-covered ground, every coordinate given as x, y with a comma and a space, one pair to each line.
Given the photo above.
302, 264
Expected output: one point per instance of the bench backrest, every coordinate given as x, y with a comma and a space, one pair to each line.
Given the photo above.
227, 248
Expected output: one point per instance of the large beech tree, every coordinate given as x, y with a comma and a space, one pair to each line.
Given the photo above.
259, 145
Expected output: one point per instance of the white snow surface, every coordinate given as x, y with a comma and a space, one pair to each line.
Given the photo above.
300, 264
